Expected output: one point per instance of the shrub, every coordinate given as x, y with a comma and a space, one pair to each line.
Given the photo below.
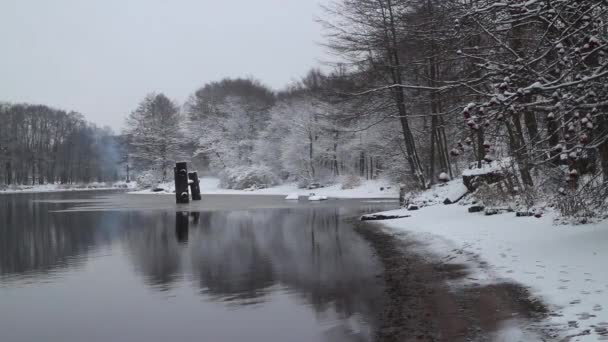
248, 177
583, 203
351, 182
148, 178
303, 183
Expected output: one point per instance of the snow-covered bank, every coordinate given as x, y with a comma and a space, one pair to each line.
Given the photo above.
563, 265
17, 189
368, 189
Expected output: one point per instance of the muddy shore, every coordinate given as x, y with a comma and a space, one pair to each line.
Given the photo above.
420, 305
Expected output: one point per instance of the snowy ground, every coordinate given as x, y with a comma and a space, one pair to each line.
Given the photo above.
66, 187
563, 265
369, 189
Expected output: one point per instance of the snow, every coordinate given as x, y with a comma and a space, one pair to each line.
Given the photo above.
368, 189
437, 194
563, 265
56, 187
314, 197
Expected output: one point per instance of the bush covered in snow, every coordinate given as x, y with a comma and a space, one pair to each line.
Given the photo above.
495, 195
149, 178
350, 182
303, 183
583, 204
248, 177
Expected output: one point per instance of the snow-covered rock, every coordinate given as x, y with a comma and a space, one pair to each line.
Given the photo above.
293, 196
314, 197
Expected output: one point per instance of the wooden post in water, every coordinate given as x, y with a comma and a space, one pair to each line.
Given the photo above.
181, 183
195, 188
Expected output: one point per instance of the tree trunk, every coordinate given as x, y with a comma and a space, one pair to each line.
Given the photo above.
311, 156
553, 132
434, 121
444, 140
481, 152
603, 147
362, 164
335, 166
9, 174
531, 127
517, 150
399, 96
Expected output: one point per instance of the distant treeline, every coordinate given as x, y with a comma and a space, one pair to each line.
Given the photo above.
40, 145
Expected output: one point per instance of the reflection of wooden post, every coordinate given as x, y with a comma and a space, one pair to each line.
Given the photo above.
181, 183
195, 188
195, 217
181, 227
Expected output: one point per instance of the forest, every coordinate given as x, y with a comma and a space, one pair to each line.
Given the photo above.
423, 90
41, 145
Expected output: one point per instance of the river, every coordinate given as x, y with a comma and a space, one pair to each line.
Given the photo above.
104, 266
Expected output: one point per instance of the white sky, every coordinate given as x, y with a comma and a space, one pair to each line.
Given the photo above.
100, 57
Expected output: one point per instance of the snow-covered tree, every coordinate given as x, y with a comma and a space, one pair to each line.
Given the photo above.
226, 119
546, 69
302, 149
155, 134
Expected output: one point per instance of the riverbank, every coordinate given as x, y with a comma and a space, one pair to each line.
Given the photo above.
211, 186
563, 265
420, 305
43, 188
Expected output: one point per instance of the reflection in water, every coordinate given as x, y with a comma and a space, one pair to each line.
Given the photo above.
34, 241
181, 226
237, 256
154, 248
306, 255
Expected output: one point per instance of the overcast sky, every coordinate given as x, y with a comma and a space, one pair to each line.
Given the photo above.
100, 57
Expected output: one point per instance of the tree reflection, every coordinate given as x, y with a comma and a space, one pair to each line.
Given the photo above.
34, 241
239, 257
234, 257
154, 248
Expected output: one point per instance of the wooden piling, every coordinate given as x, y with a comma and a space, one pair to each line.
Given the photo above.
181, 183
195, 188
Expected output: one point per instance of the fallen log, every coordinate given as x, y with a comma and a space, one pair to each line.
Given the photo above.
476, 208
455, 194
496, 211
380, 217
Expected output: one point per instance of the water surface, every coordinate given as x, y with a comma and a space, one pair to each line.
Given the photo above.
115, 267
